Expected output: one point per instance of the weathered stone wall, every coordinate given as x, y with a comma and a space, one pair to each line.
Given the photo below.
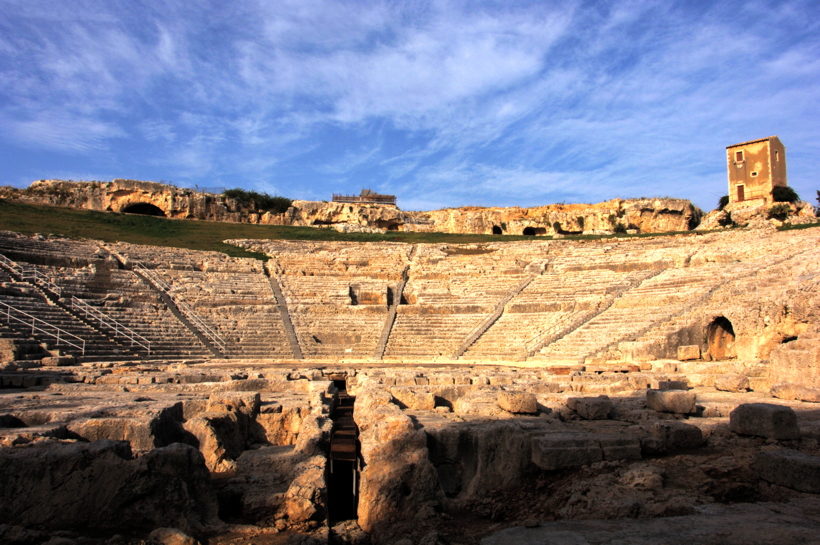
643, 215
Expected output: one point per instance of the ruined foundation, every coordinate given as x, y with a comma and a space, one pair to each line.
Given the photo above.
637, 390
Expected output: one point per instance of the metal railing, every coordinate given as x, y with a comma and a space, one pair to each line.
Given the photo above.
37, 324
187, 311
32, 276
110, 323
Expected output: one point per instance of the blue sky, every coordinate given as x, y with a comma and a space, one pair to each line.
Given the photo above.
499, 103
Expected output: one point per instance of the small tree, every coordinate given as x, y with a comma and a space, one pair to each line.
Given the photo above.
722, 202
784, 193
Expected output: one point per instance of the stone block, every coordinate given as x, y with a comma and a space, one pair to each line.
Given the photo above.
788, 390
675, 435
58, 361
564, 450
412, 399
591, 408
620, 447
764, 420
669, 384
518, 402
689, 352
671, 401
732, 383
789, 468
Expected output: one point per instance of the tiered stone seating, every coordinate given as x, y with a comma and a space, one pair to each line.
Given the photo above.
240, 305
431, 335
98, 347
126, 298
634, 311
449, 294
336, 294
551, 300
50, 250
182, 259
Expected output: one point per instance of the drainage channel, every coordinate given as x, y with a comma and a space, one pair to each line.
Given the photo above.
343, 476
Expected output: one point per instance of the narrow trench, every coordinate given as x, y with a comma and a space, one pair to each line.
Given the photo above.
343, 471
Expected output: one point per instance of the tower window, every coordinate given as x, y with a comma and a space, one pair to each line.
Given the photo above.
754, 173
738, 156
776, 156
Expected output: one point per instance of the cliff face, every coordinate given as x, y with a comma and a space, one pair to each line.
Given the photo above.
121, 195
642, 215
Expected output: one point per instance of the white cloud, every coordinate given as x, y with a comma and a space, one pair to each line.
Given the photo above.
451, 100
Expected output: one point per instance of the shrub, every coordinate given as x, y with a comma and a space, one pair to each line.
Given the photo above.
784, 193
722, 202
780, 211
726, 221
620, 228
259, 201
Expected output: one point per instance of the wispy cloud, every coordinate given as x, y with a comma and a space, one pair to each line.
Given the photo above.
443, 103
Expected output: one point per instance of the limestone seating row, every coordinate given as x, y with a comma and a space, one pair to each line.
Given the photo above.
39, 249
93, 283
579, 292
430, 334
97, 345
462, 289
182, 259
509, 335
328, 289
348, 332
634, 310
125, 297
200, 287
169, 338
250, 333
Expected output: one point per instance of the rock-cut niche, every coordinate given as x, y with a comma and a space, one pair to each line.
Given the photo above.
144, 209
720, 336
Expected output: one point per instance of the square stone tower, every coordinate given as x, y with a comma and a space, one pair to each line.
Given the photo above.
755, 168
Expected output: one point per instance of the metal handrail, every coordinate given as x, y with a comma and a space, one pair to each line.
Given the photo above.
32, 276
189, 313
111, 324
60, 335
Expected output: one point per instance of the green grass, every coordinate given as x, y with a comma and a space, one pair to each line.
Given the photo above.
208, 235
790, 227
192, 234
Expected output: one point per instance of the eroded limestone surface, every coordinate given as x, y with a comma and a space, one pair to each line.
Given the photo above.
497, 386
450, 471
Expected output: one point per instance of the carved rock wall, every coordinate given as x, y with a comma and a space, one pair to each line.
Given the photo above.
643, 215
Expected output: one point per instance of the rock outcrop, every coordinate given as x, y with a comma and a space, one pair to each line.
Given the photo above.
99, 486
121, 195
641, 215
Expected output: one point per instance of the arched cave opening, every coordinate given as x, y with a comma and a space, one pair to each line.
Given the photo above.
144, 208
497, 230
720, 336
393, 227
529, 232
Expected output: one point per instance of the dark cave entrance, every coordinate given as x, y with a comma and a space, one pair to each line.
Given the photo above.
144, 209
497, 230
